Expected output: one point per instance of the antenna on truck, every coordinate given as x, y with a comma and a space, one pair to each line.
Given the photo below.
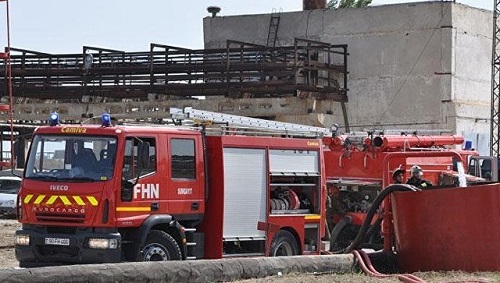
204, 117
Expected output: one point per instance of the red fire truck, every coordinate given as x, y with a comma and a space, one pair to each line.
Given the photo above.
106, 193
359, 166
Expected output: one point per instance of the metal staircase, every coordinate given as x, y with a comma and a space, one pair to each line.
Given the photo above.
274, 24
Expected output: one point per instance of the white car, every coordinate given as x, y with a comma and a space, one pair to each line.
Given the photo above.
9, 187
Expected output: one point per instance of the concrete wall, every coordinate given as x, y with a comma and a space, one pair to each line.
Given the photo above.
471, 57
415, 65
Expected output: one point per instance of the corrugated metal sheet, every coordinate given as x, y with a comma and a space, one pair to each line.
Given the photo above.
245, 183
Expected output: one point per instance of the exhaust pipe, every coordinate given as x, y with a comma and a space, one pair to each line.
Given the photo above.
313, 4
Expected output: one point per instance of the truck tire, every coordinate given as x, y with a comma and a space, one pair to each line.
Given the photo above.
29, 264
160, 246
337, 229
284, 244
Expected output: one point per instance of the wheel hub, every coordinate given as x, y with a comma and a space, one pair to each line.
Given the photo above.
155, 252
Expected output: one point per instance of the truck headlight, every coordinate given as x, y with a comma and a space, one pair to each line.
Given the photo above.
22, 240
102, 244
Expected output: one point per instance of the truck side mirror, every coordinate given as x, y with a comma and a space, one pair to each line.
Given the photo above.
127, 190
142, 159
143, 155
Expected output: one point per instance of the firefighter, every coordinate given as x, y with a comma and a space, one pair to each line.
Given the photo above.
398, 176
333, 203
416, 178
334, 206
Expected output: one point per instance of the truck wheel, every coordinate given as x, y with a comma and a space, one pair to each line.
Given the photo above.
284, 244
160, 246
337, 229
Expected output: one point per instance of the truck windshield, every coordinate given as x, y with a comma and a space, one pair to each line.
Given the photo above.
71, 158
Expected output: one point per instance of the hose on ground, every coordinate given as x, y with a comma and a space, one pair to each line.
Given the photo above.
367, 266
372, 211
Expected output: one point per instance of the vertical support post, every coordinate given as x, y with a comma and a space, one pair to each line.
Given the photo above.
151, 68
227, 67
345, 69
295, 63
9, 81
495, 86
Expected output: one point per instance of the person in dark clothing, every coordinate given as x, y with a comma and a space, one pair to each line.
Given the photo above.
334, 207
84, 159
333, 202
416, 178
398, 176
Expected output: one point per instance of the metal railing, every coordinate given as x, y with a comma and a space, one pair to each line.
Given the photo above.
240, 70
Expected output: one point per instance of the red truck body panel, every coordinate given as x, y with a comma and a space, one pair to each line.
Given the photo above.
213, 224
448, 229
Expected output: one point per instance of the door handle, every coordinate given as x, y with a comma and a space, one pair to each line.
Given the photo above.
155, 206
195, 206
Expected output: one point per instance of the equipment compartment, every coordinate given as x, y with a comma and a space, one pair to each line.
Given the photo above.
294, 194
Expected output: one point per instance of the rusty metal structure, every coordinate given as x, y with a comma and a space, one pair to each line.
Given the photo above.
306, 69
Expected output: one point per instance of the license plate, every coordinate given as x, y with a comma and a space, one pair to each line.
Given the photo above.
57, 241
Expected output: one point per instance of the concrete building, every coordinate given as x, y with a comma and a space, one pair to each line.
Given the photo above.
420, 65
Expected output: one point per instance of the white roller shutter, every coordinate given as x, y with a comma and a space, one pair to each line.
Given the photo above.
294, 161
245, 196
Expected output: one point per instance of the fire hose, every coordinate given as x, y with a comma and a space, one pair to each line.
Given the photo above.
372, 211
367, 266
363, 259
361, 256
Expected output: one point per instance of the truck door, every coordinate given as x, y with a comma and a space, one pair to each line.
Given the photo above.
484, 167
186, 174
140, 164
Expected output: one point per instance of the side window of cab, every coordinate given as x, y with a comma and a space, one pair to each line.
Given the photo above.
183, 159
133, 154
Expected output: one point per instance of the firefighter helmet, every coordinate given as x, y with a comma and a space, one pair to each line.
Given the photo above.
397, 172
415, 169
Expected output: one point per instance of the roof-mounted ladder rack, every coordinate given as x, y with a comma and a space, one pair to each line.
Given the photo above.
242, 121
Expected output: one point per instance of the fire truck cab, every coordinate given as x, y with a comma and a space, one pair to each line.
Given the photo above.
105, 193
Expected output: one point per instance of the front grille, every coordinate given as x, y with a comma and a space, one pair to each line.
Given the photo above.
61, 230
66, 218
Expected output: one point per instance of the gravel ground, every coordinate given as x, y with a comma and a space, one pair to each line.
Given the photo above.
8, 261
431, 277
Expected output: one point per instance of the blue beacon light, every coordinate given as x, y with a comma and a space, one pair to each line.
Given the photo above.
54, 119
106, 120
468, 145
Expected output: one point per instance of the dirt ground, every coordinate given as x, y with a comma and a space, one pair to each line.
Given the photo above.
8, 261
7, 229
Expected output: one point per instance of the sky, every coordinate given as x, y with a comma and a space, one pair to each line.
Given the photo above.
65, 26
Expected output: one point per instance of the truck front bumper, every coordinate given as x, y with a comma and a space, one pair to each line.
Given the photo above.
65, 246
